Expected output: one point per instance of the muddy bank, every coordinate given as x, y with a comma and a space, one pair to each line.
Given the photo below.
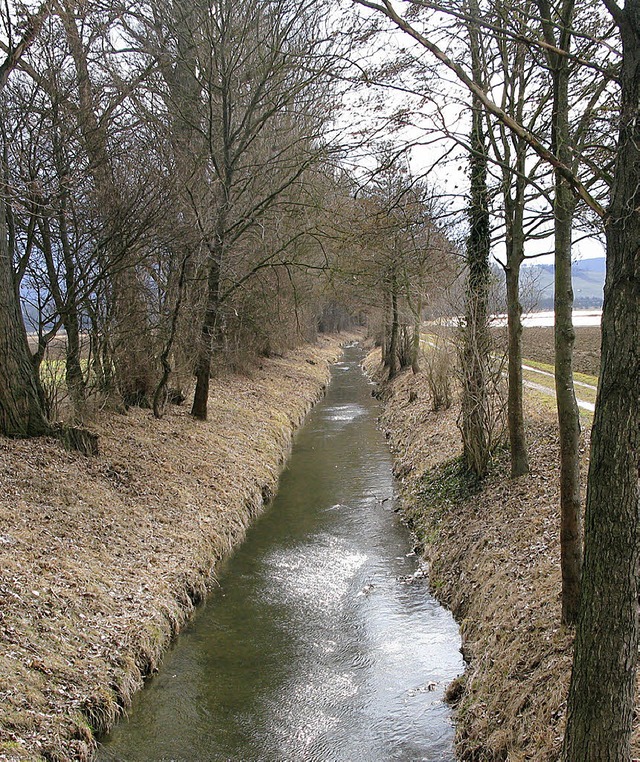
102, 560
493, 553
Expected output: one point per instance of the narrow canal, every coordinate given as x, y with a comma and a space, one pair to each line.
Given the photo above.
323, 643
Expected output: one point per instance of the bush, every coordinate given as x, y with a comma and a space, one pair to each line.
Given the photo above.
439, 368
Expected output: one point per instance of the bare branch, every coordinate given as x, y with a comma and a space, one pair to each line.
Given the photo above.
576, 185
14, 54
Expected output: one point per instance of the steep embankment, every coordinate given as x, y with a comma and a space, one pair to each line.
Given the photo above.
493, 551
103, 559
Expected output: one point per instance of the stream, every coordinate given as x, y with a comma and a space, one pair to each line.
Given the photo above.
323, 643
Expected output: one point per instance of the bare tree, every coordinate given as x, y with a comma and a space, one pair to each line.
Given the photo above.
564, 155
476, 342
127, 314
557, 27
262, 91
517, 74
392, 258
21, 400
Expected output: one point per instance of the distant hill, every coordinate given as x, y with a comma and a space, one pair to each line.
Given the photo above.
588, 284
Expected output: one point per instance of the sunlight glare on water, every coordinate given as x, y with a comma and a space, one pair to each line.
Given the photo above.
323, 643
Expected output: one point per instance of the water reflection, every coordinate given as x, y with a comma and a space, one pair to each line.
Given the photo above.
322, 645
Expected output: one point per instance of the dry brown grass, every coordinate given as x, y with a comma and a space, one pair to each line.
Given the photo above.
493, 551
102, 560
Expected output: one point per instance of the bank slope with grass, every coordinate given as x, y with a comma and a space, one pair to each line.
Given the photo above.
103, 559
493, 553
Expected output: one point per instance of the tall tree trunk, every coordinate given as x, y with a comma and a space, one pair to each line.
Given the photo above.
69, 309
559, 37
160, 395
415, 339
514, 218
210, 331
564, 334
21, 402
515, 406
386, 324
601, 703
567, 406
191, 182
395, 329
71, 322
476, 339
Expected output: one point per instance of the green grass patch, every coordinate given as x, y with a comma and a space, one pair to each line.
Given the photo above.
448, 484
545, 381
582, 393
53, 371
582, 377
585, 379
439, 491
548, 402
543, 400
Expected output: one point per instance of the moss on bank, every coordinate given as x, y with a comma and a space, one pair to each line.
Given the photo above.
102, 560
493, 554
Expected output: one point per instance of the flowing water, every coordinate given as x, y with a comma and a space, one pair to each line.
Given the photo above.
323, 643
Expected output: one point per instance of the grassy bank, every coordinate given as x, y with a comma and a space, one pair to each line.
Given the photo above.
493, 552
102, 560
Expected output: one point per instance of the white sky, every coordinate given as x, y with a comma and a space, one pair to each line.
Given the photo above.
442, 109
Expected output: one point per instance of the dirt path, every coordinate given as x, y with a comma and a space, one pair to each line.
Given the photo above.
545, 384
550, 391
102, 560
531, 369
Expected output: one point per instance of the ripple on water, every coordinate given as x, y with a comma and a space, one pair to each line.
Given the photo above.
317, 574
345, 412
323, 643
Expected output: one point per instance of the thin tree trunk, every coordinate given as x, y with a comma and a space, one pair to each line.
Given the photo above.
70, 320
563, 208
568, 412
515, 237
192, 188
415, 343
515, 406
210, 331
69, 311
564, 333
601, 704
386, 325
395, 330
159, 398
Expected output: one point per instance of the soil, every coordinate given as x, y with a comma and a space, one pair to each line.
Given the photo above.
493, 554
537, 345
103, 559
